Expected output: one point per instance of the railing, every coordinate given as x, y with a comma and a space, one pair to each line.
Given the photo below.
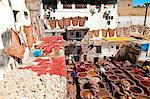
80, 6
67, 6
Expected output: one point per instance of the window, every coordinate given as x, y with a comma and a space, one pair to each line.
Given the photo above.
128, 4
85, 57
71, 33
15, 13
112, 47
53, 33
80, 6
117, 47
98, 49
78, 34
67, 6
108, 22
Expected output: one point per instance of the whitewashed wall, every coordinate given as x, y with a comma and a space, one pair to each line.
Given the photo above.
132, 20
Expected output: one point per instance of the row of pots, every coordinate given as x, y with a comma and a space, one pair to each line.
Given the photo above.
139, 79
65, 22
114, 75
95, 89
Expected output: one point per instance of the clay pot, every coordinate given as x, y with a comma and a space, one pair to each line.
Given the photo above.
111, 32
95, 79
118, 72
119, 32
131, 82
81, 69
113, 78
142, 97
101, 85
52, 24
82, 74
139, 78
67, 22
90, 34
104, 33
103, 92
106, 97
61, 23
82, 21
96, 33
92, 73
133, 73
75, 21
83, 80
122, 76
136, 90
85, 94
129, 69
145, 83
109, 73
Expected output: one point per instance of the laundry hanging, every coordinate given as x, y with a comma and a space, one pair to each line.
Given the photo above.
81, 21
96, 33
133, 28
126, 31
16, 49
52, 24
119, 32
29, 35
90, 34
75, 21
111, 32
61, 23
67, 22
104, 33
140, 29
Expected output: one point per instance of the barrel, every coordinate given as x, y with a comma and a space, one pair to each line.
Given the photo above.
96, 33
104, 33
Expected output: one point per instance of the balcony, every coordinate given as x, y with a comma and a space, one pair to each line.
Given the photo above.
67, 6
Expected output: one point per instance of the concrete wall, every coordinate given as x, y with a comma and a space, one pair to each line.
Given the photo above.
125, 8
132, 20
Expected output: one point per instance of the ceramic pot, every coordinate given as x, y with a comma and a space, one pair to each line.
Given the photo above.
113, 78
92, 73
106, 97
118, 72
131, 82
109, 73
136, 90
145, 83
85, 94
52, 24
96, 33
142, 97
83, 80
82, 74
104, 33
75, 21
82, 21
67, 22
103, 92
138, 78
101, 85
90, 34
